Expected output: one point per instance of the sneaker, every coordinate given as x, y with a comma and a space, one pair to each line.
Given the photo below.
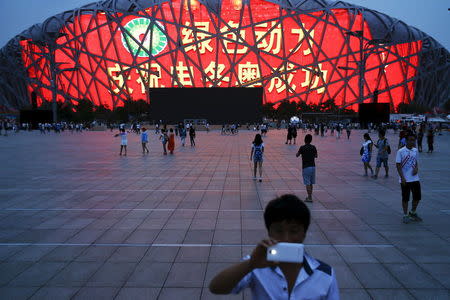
260, 180
414, 217
308, 199
254, 178
406, 219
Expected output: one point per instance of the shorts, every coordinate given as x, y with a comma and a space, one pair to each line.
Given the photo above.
413, 187
123, 143
309, 175
381, 160
366, 157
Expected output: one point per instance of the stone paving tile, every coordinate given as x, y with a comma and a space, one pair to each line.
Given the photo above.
374, 276
75, 274
149, 274
350, 294
37, 275
127, 293
180, 293
411, 276
430, 294
9, 270
112, 274
16, 293
390, 294
96, 293
96, 253
54, 293
186, 275
193, 254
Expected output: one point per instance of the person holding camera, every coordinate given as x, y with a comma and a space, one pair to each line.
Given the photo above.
287, 220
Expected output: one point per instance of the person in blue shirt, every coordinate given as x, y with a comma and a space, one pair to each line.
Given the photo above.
144, 140
287, 220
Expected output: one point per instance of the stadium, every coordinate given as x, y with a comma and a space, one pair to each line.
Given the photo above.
114, 51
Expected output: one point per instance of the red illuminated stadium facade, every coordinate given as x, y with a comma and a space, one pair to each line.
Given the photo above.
311, 52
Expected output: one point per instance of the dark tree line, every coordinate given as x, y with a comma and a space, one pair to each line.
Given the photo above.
85, 111
285, 110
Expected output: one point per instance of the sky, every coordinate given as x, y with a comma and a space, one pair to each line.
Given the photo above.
430, 16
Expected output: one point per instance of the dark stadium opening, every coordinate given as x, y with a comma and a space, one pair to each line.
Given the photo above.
216, 105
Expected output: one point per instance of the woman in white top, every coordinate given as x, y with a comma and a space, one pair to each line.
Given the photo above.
367, 153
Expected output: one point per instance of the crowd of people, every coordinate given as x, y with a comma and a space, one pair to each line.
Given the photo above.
166, 136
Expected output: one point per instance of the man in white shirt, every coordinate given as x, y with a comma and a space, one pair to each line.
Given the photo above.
287, 219
408, 169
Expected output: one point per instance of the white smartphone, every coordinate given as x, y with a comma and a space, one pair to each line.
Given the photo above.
286, 252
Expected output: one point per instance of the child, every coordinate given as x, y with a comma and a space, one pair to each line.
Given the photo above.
164, 139
144, 140
366, 154
183, 135
171, 145
257, 155
123, 141
287, 219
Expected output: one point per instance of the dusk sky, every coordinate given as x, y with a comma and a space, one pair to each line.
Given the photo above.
430, 16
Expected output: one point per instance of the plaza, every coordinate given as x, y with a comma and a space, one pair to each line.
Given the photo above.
78, 221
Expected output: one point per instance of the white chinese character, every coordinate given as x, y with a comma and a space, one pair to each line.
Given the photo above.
183, 74
200, 39
216, 73
274, 36
318, 74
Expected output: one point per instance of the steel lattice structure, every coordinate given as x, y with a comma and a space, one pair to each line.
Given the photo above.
303, 50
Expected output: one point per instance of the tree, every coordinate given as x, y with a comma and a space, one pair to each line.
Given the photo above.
103, 113
269, 111
411, 108
138, 110
328, 106
84, 110
286, 110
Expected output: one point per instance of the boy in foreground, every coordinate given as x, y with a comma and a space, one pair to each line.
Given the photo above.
287, 219
408, 171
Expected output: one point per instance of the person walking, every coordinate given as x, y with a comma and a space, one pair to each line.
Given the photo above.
123, 141
144, 140
349, 131
164, 139
256, 155
430, 139
294, 132
171, 144
384, 149
309, 154
420, 137
408, 171
183, 134
366, 153
192, 135
289, 135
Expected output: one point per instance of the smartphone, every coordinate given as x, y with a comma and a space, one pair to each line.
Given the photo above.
286, 252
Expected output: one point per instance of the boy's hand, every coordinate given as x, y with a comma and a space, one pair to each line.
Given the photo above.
258, 258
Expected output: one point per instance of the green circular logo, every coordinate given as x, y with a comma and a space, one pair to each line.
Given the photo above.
140, 30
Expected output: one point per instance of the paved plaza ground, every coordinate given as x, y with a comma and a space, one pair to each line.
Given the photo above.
78, 221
